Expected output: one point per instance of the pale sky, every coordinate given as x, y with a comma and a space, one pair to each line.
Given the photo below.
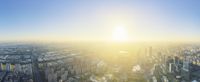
97, 19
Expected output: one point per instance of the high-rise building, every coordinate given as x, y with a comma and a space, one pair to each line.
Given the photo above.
1, 66
185, 72
8, 66
150, 51
18, 68
164, 79
171, 67
12, 67
154, 79
186, 64
4, 66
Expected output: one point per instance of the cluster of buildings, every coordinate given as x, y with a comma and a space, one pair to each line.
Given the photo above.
14, 65
76, 69
179, 64
36, 63
42, 63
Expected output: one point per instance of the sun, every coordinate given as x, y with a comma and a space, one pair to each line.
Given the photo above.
120, 34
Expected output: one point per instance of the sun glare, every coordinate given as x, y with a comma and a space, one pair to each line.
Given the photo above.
120, 34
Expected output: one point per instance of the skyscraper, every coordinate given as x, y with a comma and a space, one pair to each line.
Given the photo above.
185, 73
150, 51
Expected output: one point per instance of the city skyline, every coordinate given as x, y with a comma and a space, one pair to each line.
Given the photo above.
142, 20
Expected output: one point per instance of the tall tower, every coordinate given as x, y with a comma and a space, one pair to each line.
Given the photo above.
186, 64
185, 73
7, 66
150, 51
145, 52
1, 66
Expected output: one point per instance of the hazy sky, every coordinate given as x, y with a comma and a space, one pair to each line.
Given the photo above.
96, 19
